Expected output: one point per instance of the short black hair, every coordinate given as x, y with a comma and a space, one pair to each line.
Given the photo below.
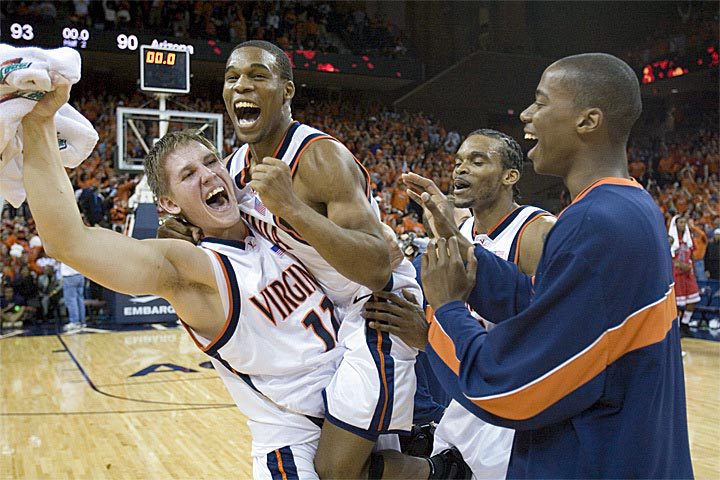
512, 153
281, 60
604, 81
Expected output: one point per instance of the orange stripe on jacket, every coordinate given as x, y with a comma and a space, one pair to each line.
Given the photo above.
441, 342
230, 302
645, 327
280, 465
625, 182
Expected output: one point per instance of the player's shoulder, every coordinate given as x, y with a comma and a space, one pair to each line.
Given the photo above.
327, 159
607, 217
327, 149
540, 225
546, 219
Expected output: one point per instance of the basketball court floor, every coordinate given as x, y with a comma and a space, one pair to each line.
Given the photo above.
146, 404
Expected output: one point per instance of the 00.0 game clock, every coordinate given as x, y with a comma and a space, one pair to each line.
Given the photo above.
164, 70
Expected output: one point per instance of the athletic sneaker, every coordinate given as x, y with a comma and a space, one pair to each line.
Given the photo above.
420, 441
71, 327
714, 324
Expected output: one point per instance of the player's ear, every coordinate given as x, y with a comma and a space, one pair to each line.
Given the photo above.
590, 120
168, 205
289, 92
511, 177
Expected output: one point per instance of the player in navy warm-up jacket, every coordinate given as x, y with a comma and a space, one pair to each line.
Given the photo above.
585, 362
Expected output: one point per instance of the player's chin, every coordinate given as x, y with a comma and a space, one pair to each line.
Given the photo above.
246, 136
462, 198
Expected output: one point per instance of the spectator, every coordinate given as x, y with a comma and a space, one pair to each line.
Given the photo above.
81, 10
10, 310
700, 242
25, 286
687, 293
49, 287
73, 286
712, 256
110, 9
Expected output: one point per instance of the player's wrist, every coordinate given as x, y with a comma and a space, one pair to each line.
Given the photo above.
292, 211
449, 305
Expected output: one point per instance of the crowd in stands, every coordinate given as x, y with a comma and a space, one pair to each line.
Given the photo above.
693, 30
680, 166
680, 170
327, 27
389, 144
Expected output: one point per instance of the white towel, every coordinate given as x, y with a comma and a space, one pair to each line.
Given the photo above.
686, 238
25, 75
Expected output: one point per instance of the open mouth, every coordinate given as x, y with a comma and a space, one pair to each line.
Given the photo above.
533, 138
246, 113
460, 185
217, 198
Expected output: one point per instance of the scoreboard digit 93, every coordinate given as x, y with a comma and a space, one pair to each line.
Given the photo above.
164, 70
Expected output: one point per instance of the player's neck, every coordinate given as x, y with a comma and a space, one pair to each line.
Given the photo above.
267, 147
488, 216
600, 162
237, 232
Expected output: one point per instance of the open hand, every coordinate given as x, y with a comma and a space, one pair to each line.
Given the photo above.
437, 208
176, 228
400, 316
444, 275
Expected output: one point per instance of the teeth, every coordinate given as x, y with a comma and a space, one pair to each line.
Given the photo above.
242, 104
530, 136
246, 123
214, 191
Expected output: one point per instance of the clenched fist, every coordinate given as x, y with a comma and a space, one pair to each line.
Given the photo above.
271, 179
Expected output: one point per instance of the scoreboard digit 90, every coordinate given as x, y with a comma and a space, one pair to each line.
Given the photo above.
164, 70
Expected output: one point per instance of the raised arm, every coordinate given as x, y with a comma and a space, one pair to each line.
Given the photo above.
350, 237
162, 267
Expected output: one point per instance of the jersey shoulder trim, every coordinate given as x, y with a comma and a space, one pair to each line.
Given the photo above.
233, 296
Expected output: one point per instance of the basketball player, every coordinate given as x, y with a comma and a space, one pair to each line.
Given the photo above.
585, 359
312, 198
262, 318
488, 166
306, 191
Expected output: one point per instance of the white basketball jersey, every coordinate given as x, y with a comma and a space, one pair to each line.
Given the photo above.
504, 239
298, 136
280, 336
341, 291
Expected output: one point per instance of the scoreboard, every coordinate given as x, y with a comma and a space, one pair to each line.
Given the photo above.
24, 32
36, 34
164, 70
